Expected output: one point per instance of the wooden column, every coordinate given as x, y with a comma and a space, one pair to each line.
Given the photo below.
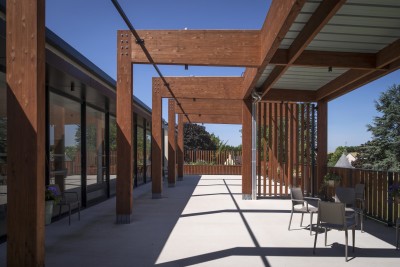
180, 147
322, 141
171, 144
156, 143
246, 149
124, 200
25, 50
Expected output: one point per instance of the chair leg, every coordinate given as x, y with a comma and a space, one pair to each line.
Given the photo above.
354, 237
69, 206
345, 252
311, 217
301, 222
79, 210
397, 232
290, 221
59, 213
326, 235
315, 239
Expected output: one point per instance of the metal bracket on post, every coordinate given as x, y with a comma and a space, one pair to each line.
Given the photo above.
256, 98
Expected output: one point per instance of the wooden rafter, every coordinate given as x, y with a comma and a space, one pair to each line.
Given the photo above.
290, 95
200, 87
217, 119
280, 17
210, 107
310, 58
199, 47
325, 11
352, 79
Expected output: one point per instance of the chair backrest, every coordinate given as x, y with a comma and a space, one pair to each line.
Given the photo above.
331, 212
359, 188
296, 193
345, 195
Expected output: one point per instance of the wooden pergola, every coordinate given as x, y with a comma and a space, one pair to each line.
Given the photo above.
305, 51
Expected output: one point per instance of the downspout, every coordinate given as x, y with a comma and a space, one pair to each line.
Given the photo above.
256, 98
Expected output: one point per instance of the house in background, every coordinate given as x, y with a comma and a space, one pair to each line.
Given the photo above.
346, 160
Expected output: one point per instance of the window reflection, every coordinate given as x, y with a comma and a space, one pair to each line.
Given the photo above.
3, 154
65, 144
113, 154
95, 151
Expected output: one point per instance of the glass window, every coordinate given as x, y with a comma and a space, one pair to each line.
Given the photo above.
140, 151
148, 152
113, 154
3, 154
95, 154
65, 144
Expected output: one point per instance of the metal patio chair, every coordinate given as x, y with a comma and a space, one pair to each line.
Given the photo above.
69, 199
360, 203
301, 205
332, 216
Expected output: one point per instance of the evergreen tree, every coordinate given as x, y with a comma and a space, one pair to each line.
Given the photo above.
196, 137
383, 151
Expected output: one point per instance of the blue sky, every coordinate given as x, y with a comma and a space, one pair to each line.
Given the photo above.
90, 27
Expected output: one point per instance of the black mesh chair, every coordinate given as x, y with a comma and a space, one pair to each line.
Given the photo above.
69, 199
301, 205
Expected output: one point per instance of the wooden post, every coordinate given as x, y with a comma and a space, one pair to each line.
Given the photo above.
322, 141
180, 147
246, 149
156, 143
171, 144
124, 187
25, 50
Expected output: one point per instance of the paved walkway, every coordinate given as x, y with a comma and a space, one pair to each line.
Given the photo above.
204, 222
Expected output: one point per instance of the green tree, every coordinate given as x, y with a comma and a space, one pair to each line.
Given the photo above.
383, 151
335, 156
196, 137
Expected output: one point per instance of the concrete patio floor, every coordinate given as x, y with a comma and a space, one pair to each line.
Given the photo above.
203, 221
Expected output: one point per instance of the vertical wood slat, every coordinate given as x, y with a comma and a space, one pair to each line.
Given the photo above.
302, 146
396, 179
246, 147
259, 147
275, 147
281, 171
265, 148
379, 194
296, 142
308, 149
384, 196
375, 193
370, 192
269, 106
290, 144
286, 142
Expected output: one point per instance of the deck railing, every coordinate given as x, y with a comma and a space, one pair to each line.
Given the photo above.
376, 191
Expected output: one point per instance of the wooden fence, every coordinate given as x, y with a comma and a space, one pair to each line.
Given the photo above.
376, 190
212, 169
208, 157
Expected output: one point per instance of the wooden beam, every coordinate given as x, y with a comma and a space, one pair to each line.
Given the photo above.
180, 155
246, 149
364, 80
280, 18
209, 107
290, 95
199, 47
388, 57
217, 119
25, 61
171, 144
389, 54
325, 11
310, 58
200, 87
156, 144
124, 199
